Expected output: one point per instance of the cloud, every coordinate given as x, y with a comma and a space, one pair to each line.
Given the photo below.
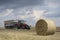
29, 10
53, 13
38, 14
29, 13
20, 3
52, 3
6, 12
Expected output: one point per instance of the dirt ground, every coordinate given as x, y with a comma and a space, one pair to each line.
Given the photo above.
26, 35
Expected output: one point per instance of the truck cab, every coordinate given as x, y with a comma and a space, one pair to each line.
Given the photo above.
19, 24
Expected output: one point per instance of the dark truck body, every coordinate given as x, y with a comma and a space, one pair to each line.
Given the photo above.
19, 24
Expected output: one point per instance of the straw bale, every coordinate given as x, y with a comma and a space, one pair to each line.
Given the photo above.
45, 27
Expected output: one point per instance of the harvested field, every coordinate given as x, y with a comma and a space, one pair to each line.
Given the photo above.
25, 35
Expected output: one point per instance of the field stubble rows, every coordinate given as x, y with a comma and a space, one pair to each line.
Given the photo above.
25, 35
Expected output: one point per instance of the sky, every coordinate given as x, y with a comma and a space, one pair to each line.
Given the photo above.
30, 10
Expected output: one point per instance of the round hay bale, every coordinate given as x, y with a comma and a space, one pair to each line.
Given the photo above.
45, 27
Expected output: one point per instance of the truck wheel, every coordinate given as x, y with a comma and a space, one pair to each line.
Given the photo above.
28, 28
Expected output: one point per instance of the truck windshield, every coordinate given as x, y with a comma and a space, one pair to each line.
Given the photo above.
22, 21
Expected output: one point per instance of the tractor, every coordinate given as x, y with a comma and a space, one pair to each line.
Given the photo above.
19, 24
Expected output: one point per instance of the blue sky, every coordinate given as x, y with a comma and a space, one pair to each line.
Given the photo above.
30, 10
